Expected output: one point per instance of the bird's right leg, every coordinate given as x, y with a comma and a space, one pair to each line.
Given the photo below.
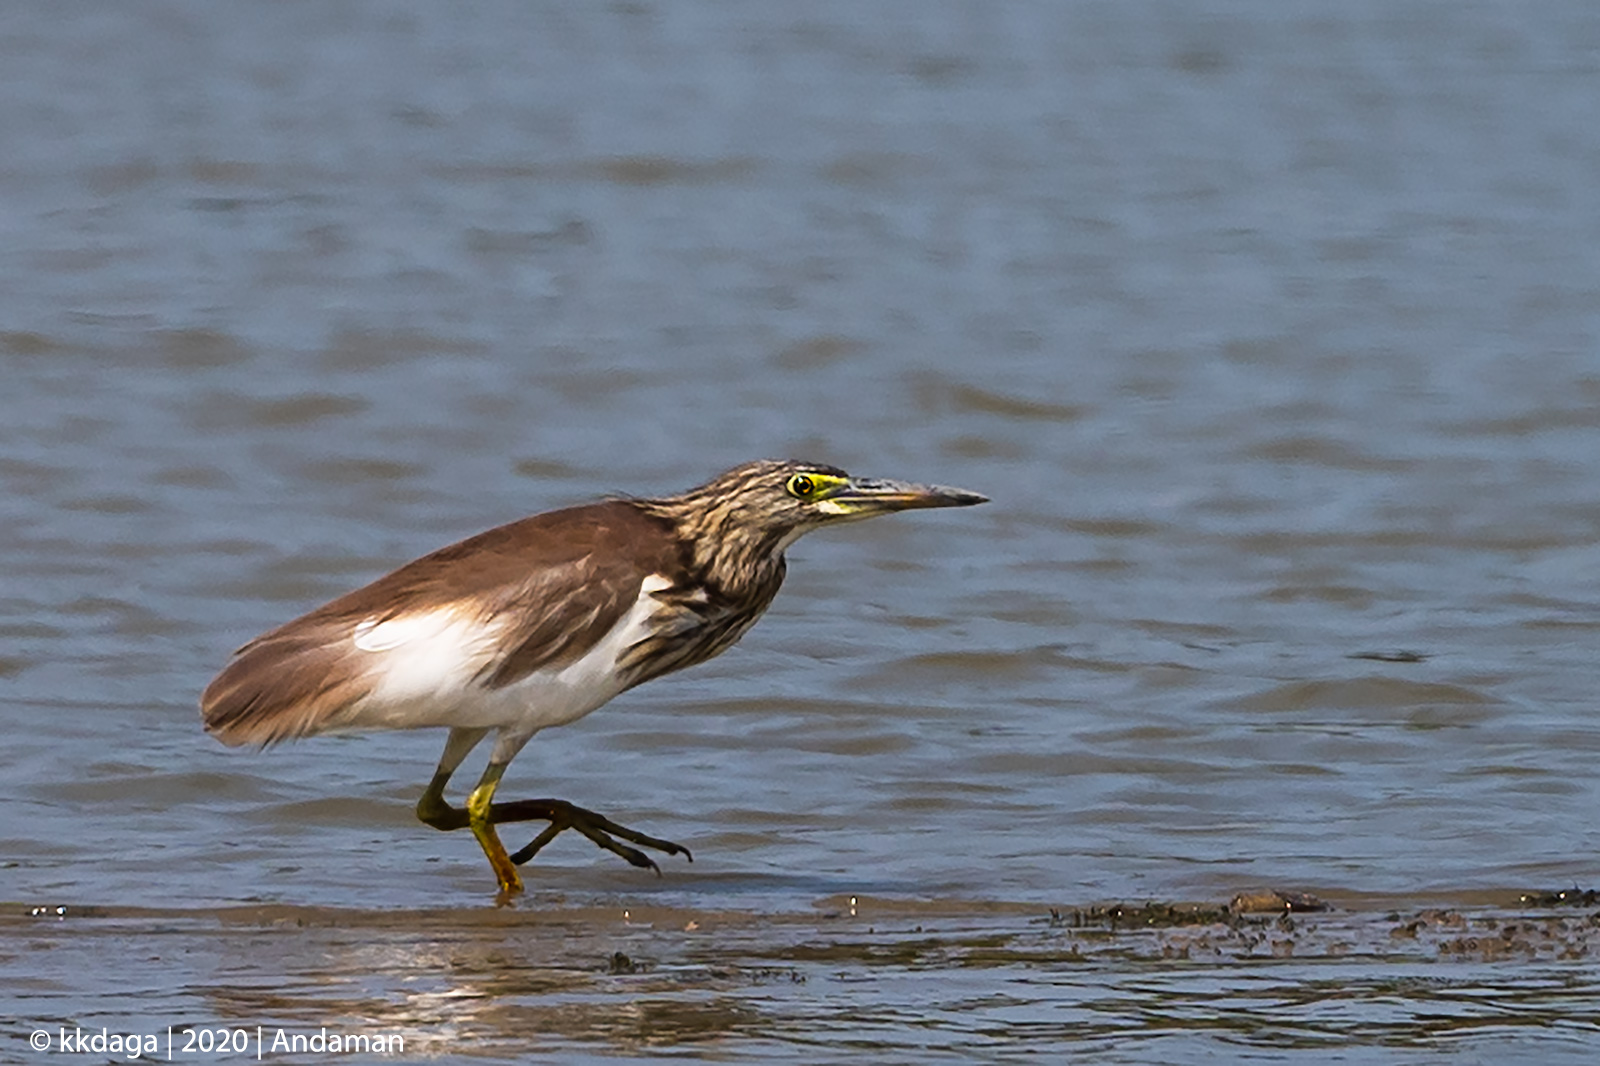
482, 814
479, 815
480, 819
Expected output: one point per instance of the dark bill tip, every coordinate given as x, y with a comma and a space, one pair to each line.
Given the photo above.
881, 493
959, 497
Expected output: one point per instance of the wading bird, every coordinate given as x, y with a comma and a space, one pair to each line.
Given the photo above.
537, 623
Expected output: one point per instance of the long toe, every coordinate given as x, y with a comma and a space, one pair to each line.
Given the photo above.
606, 826
533, 846
633, 855
597, 827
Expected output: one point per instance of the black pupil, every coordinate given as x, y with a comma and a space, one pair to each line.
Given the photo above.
803, 486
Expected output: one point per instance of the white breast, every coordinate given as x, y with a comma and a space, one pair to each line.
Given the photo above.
429, 670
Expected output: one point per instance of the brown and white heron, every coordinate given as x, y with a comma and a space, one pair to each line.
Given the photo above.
537, 623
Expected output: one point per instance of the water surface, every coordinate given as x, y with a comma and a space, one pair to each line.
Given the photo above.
1270, 329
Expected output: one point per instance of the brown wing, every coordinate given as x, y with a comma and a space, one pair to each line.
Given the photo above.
553, 585
561, 611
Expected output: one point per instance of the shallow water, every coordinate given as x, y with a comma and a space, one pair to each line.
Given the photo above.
1271, 331
904, 981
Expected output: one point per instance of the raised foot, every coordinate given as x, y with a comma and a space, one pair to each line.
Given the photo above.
562, 816
597, 827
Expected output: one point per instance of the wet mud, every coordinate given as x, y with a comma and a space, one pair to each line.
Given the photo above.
852, 974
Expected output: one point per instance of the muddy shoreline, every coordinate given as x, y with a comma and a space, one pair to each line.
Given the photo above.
897, 978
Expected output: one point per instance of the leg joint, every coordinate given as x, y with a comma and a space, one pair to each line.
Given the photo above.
434, 810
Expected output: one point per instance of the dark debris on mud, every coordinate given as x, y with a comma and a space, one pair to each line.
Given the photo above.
1572, 897
1298, 925
1156, 915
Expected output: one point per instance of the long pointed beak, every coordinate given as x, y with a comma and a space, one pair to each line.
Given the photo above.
861, 497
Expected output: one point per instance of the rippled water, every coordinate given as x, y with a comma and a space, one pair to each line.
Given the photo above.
1271, 329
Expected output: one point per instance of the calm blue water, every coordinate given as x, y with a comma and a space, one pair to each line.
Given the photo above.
1271, 329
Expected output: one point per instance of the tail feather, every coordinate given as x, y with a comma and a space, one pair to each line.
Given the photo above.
281, 687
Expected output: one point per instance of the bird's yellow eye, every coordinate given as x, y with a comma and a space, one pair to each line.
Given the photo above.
801, 486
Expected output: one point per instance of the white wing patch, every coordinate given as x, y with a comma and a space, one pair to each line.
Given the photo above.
429, 666
373, 635
433, 655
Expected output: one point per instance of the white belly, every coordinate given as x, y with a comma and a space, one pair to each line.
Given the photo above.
429, 670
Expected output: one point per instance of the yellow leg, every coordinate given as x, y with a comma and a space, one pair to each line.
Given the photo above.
480, 819
481, 814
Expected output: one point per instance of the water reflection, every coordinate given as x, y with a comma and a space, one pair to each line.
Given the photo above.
892, 977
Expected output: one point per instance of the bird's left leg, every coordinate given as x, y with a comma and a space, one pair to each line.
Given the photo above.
432, 808
597, 827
